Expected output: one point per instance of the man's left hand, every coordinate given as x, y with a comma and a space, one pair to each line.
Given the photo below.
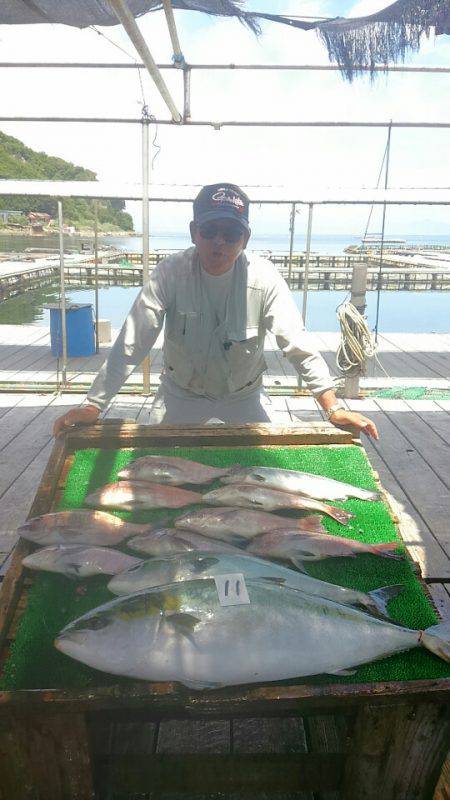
343, 418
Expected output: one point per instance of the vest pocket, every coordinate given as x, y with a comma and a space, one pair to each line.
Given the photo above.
246, 360
177, 363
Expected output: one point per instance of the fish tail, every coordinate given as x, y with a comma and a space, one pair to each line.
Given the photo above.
338, 514
437, 639
380, 598
385, 549
366, 494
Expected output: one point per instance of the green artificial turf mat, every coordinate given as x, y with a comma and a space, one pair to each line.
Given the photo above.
55, 600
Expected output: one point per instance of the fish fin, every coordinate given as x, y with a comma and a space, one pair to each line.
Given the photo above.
342, 672
381, 597
365, 494
437, 639
299, 564
201, 685
341, 516
76, 569
183, 623
203, 563
386, 549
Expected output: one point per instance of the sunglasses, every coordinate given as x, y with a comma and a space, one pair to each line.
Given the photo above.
231, 232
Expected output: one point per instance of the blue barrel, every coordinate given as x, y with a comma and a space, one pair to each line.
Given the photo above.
80, 329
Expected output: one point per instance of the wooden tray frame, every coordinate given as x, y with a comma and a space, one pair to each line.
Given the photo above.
400, 729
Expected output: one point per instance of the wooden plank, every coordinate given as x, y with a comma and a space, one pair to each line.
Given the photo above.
433, 416
397, 752
15, 502
26, 445
421, 437
166, 700
130, 435
226, 773
440, 594
259, 735
45, 758
193, 736
415, 489
12, 583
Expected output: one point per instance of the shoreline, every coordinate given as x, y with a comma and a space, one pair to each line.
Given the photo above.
84, 233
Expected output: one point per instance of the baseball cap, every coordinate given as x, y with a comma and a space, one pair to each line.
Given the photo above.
222, 201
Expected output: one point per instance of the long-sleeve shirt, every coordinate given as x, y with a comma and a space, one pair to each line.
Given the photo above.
203, 355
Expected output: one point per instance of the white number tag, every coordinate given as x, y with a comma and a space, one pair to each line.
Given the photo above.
232, 590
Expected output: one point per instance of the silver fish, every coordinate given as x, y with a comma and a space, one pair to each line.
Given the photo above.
80, 527
189, 566
80, 561
135, 495
169, 540
171, 469
246, 523
250, 496
298, 547
290, 480
182, 632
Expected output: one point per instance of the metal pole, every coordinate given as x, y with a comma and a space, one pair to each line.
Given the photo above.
96, 273
235, 67
386, 180
186, 94
291, 242
170, 19
308, 251
358, 299
63, 296
124, 15
145, 235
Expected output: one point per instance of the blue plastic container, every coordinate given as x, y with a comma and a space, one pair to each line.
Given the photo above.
79, 327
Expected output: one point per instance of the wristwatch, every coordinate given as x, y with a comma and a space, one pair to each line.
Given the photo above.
336, 407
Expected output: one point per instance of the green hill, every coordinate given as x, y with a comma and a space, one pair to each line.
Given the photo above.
18, 162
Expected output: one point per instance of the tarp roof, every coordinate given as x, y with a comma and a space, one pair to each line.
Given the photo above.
378, 38
257, 194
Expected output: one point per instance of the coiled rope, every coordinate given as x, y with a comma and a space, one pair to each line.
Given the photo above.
357, 343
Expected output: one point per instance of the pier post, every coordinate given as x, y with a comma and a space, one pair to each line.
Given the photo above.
145, 236
291, 243
63, 297
358, 299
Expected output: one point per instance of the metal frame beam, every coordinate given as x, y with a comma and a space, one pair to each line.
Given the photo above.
235, 67
233, 123
125, 17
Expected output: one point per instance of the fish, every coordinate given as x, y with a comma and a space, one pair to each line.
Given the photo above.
169, 540
183, 632
290, 480
242, 522
80, 527
250, 496
171, 469
298, 547
137, 495
78, 561
189, 566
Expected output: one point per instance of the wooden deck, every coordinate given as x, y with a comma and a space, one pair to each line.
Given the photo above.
404, 359
412, 460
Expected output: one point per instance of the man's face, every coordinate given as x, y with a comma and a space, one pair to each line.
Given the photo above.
219, 243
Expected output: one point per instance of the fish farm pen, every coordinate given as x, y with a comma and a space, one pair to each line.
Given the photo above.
70, 732
325, 273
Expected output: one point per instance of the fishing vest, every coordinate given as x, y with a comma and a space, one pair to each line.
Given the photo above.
201, 355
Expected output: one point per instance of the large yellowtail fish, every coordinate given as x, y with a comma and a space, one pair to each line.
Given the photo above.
189, 632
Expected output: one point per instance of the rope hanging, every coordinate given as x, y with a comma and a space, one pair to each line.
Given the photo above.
357, 343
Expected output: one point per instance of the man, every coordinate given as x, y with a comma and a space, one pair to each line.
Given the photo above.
217, 305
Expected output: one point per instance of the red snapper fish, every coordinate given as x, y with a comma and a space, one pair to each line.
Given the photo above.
137, 495
171, 469
261, 497
243, 522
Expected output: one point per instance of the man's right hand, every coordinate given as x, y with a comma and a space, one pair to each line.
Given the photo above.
85, 415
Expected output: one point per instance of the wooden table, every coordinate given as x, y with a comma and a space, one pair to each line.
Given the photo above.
377, 740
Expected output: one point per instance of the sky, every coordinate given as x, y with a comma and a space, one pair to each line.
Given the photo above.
303, 158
